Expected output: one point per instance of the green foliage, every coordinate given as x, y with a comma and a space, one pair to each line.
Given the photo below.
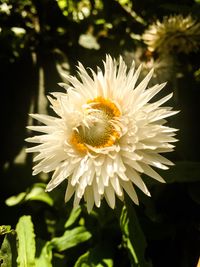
133, 236
8, 250
36, 192
38, 39
71, 238
14, 200
6, 254
74, 215
26, 242
45, 255
97, 257
5, 229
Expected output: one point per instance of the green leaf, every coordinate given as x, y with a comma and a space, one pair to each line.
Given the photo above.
133, 237
38, 193
5, 229
8, 251
45, 256
14, 200
97, 257
75, 213
6, 254
83, 260
26, 242
35, 193
71, 238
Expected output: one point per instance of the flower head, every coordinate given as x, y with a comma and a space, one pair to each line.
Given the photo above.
106, 134
173, 34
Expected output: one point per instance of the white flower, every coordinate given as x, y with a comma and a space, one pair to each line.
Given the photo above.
106, 134
174, 34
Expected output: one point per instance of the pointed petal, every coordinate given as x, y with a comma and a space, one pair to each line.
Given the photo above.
128, 187
110, 196
137, 180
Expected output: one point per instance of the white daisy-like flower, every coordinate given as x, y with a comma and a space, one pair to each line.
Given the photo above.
173, 34
106, 134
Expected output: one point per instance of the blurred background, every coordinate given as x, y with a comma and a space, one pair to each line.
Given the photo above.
39, 39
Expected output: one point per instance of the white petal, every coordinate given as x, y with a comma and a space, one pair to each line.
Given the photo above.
135, 77
69, 191
142, 99
64, 85
133, 164
160, 114
87, 82
162, 100
110, 69
137, 180
90, 175
151, 160
36, 148
97, 196
59, 177
100, 185
130, 75
105, 176
142, 86
76, 200
42, 129
99, 160
110, 196
60, 174
162, 159
109, 166
46, 119
118, 165
128, 187
150, 172
89, 197
79, 171
116, 185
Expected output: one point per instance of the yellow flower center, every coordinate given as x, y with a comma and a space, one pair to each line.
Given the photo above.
99, 129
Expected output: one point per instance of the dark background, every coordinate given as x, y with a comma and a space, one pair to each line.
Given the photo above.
30, 63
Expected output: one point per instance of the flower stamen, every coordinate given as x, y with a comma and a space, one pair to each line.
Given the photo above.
99, 130
108, 107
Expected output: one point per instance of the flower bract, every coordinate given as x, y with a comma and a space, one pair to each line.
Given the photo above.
107, 132
175, 34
